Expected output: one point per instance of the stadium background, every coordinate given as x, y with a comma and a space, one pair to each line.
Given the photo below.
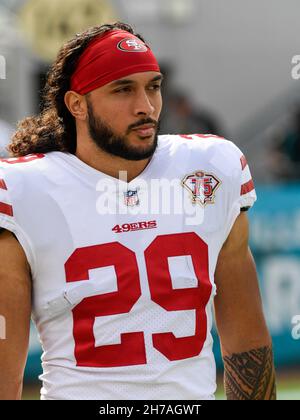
229, 68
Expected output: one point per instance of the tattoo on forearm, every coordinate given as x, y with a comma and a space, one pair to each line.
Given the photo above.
250, 375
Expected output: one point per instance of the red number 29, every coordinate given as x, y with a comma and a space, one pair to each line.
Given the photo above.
132, 349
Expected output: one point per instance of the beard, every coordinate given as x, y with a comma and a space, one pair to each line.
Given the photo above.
117, 145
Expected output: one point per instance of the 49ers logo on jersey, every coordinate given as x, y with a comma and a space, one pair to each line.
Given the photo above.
132, 45
133, 227
202, 187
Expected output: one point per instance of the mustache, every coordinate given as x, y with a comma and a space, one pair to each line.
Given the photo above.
143, 122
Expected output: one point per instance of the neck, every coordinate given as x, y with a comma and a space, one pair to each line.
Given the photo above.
110, 165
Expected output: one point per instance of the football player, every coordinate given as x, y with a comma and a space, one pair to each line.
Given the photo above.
122, 299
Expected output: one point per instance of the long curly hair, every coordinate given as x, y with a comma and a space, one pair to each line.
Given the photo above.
54, 128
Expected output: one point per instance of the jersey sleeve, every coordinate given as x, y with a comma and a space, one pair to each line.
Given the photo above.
8, 220
247, 192
242, 195
242, 182
6, 208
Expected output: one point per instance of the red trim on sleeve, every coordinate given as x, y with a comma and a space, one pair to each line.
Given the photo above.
23, 159
248, 187
187, 137
6, 209
244, 162
200, 136
2, 184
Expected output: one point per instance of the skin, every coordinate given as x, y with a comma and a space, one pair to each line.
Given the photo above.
15, 304
119, 105
244, 337
238, 293
238, 306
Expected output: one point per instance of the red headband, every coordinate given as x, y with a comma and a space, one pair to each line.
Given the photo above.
111, 56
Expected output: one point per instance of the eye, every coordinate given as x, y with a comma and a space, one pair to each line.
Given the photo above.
124, 89
155, 87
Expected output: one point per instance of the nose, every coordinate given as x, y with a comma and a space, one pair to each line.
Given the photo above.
143, 105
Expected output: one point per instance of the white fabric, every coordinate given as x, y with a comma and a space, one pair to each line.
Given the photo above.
54, 201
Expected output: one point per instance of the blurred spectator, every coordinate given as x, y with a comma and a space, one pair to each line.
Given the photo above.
5, 133
181, 117
286, 154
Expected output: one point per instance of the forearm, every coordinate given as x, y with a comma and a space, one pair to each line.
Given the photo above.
250, 375
11, 390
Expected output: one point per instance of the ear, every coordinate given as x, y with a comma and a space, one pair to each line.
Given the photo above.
76, 104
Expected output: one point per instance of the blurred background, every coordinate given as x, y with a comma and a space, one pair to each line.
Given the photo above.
232, 69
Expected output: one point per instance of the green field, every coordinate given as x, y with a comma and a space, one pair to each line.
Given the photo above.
288, 389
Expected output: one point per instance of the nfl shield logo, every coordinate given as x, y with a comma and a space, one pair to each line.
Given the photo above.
131, 198
202, 186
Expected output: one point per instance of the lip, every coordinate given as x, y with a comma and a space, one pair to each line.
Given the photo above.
145, 130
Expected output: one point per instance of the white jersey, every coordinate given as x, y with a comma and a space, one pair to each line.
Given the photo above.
123, 277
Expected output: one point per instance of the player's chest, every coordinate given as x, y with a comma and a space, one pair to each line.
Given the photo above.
195, 202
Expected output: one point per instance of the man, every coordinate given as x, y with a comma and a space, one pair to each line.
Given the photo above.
122, 300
